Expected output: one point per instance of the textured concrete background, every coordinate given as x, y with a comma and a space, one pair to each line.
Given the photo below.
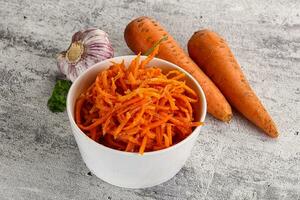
38, 155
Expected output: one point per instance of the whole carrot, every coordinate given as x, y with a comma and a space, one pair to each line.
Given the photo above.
215, 58
144, 32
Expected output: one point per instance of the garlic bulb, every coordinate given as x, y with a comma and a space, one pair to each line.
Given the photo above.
87, 48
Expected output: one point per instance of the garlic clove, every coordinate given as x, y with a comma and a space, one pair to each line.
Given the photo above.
62, 63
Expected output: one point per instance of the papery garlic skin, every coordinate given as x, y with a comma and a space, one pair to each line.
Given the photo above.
87, 48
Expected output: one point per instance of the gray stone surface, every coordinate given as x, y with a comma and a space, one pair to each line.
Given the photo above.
39, 157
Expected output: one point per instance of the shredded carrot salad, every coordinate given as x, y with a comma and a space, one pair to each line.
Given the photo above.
137, 109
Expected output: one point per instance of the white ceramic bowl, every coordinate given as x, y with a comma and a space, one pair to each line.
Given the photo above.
131, 170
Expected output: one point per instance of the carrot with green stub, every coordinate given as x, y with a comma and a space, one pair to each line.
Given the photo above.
143, 33
215, 58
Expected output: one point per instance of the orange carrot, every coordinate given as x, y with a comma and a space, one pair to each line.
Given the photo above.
169, 133
214, 56
143, 146
79, 104
93, 134
144, 32
129, 147
167, 142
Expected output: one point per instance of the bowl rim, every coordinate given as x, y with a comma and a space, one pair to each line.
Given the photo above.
131, 57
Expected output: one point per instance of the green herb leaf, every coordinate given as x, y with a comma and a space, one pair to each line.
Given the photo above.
57, 101
149, 51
